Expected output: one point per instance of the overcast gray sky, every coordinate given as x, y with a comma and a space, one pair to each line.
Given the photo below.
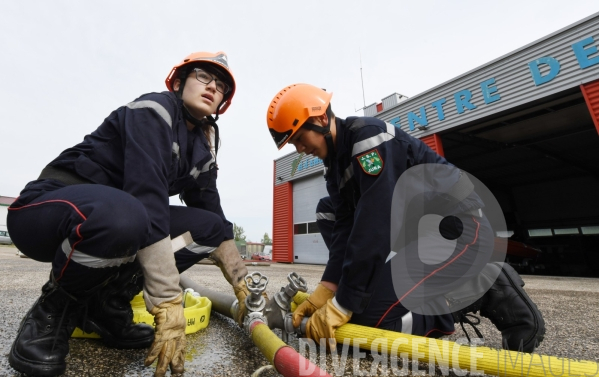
65, 65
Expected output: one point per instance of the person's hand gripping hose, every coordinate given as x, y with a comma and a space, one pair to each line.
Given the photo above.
314, 302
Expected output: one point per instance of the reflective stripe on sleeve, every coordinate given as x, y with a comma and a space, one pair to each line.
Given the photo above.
160, 110
390, 129
90, 260
195, 172
347, 175
176, 149
206, 166
374, 141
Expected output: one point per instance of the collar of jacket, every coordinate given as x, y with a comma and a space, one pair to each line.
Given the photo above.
339, 146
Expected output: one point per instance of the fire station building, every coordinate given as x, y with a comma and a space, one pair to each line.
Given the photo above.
525, 124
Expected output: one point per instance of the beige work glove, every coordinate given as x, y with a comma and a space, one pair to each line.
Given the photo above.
324, 322
169, 340
316, 300
234, 270
163, 295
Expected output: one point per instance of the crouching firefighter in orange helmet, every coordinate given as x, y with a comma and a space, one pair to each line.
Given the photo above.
382, 184
100, 214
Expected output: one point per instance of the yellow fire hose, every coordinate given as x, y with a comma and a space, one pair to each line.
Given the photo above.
450, 354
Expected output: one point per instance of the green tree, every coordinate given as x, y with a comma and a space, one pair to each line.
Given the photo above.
238, 233
266, 239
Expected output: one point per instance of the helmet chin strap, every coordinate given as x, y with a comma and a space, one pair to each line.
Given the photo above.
328, 137
199, 123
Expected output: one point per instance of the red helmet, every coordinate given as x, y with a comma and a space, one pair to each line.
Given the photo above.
292, 107
219, 60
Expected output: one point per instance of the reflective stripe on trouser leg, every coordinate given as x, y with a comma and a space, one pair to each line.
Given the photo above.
181, 241
81, 272
200, 249
325, 216
206, 232
406, 323
325, 219
90, 260
185, 241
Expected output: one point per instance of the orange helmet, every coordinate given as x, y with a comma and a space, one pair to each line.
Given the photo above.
292, 107
219, 60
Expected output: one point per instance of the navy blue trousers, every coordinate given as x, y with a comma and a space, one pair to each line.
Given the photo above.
384, 310
89, 231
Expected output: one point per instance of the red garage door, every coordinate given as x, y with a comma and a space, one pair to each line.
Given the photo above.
282, 227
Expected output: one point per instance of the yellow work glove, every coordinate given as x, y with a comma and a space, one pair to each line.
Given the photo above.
169, 340
324, 322
314, 302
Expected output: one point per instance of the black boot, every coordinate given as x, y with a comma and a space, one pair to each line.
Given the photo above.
109, 312
42, 342
509, 308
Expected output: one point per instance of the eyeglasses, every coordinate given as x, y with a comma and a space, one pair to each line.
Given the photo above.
206, 78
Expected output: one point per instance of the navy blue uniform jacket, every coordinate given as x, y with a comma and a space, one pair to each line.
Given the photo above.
362, 202
145, 149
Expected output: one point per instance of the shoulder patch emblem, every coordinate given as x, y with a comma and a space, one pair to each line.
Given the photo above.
371, 162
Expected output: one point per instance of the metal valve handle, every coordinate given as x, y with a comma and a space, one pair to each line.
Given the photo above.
256, 282
297, 283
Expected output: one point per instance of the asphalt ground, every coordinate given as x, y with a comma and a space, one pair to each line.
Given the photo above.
570, 307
